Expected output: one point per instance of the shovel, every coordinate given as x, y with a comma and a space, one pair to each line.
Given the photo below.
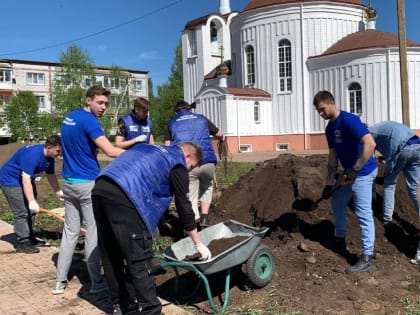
326, 197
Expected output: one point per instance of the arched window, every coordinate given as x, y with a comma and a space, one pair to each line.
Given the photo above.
250, 65
213, 32
216, 38
285, 66
257, 117
355, 98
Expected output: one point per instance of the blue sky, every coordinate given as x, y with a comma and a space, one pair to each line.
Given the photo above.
135, 34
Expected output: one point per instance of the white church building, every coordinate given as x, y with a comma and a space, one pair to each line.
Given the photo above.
254, 73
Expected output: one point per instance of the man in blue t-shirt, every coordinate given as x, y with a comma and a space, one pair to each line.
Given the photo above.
17, 181
135, 127
82, 135
400, 147
350, 142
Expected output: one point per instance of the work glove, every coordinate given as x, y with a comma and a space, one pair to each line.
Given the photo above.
350, 174
33, 206
60, 195
326, 193
141, 138
203, 251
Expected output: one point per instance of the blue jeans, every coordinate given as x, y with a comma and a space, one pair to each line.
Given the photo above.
361, 191
408, 162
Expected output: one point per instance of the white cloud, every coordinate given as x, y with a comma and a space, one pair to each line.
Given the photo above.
102, 48
149, 55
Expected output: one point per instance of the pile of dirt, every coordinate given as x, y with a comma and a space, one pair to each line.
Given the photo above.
7, 150
310, 277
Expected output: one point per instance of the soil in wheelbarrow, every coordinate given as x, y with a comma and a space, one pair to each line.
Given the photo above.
309, 275
218, 246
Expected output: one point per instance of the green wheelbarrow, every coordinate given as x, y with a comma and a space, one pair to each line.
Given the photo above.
259, 258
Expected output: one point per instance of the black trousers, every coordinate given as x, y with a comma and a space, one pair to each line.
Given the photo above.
124, 240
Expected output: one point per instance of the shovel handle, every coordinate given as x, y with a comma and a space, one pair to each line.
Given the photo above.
57, 216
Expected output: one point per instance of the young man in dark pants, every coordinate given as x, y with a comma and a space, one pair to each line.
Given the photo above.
130, 196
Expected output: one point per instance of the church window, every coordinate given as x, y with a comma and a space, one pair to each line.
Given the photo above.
250, 65
257, 117
285, 65
355, 98
192, 44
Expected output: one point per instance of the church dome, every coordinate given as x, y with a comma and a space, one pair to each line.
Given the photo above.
365, 40
256, 4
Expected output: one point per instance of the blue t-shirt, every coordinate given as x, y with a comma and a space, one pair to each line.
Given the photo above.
29, 159
78, 131
344, 135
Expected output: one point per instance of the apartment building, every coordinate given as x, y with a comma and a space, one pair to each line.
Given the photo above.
39, 77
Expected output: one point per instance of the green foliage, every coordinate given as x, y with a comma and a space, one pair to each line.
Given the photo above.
162, 107
69, 87
234, 171
412, 306
76, 65
21, 116
160, 243
7, 216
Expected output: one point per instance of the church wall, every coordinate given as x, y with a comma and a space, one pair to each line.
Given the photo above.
322, 25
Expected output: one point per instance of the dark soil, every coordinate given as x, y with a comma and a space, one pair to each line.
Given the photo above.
218, 246
310, 277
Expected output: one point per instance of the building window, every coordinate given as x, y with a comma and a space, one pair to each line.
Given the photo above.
4, 100
355, 98
113, 101
192, 43
285, 66
88, 82
245, 148
41, 101
5, 75
257, 112
216, 39
99, 80
137, 85
250, 65
112, 82
33, 78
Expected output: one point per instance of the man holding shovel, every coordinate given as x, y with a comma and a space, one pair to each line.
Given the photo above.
350, 142
17, 181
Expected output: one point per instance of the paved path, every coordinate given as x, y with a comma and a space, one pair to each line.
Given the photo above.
26, 281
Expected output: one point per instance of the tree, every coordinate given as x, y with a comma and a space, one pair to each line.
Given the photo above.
21, 116
69, 85
168, 94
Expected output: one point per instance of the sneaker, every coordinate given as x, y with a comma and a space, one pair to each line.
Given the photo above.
416, 259
98, 287
59, 287
364, 264
116, 310
204, 220
36, 241
26, 247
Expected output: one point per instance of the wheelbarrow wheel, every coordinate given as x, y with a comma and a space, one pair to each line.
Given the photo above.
260, 266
